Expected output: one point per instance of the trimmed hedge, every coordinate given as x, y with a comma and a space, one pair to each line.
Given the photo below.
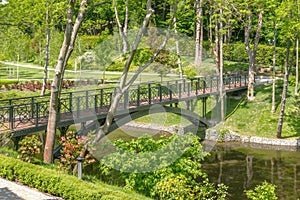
62, 185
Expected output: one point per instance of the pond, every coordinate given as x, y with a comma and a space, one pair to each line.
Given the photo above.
242, 168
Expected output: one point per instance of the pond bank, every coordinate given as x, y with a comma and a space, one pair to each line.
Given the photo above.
227, 137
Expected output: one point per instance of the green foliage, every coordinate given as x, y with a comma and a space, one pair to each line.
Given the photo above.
115, 66
167, 168
30, 147
72, 146
142, 56
190, 71
237, 52
62, 185
265, 191
292, 81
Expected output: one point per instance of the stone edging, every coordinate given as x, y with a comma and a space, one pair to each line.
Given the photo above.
214, 135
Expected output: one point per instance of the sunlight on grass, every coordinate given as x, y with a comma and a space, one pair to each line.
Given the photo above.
255, 118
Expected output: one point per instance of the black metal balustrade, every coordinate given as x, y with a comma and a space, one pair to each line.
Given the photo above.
30, 114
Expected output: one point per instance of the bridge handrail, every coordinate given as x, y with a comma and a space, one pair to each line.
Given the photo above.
9, 100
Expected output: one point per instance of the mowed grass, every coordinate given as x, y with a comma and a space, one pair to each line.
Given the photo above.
255, 118
29, 73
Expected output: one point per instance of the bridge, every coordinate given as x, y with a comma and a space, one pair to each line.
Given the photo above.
26, 115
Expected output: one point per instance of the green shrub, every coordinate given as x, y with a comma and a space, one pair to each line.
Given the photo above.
3, 81
150, 167
265, 191
30, 147
62, 185
190, 71
115, 66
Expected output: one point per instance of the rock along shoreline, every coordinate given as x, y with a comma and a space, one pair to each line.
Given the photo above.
230, 136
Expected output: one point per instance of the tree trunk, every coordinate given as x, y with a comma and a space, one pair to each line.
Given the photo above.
178, 50
122, 30
124, 85
47, 52
297, 66
221, 66
199, 32
273, 110
284, 91
252, 52
65, 53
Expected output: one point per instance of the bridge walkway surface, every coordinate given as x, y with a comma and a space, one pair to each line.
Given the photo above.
22, 116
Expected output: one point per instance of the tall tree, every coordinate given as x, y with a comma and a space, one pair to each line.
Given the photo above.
273, 109
47, 51
251, 51
124, 83
199, 31
65, 53
284, 91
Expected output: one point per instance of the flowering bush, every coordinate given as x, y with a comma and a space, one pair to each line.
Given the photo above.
72, 146
30, 147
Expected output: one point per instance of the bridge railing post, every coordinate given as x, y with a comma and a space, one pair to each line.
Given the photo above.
170, 93
204, 86
245, 79
240, 81
235, 81
32, 107
189, 89
78, 106
95, 102
179, 90
160, 92
11, 117
87, 99
101, 98
138, 95
229, 81
184, 87
37, 114
149, 93
70, 101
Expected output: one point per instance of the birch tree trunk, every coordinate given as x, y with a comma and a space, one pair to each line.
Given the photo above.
273, 110
252, 52
221, 84
47, 51
178, 50
64, 55
122, 30
284, 91
199, 32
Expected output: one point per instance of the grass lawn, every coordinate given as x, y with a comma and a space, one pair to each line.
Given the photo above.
255, 118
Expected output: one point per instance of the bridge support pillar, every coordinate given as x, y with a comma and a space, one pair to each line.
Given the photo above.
16, 141
204, 107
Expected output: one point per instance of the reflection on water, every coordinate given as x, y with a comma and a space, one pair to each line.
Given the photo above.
242, 168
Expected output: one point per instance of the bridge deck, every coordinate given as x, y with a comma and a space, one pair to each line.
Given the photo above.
22, 116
